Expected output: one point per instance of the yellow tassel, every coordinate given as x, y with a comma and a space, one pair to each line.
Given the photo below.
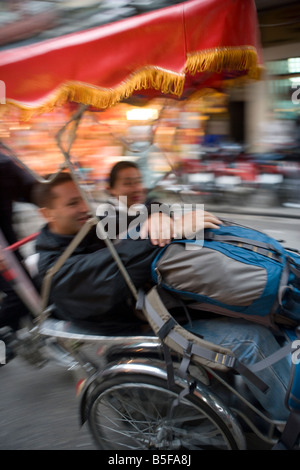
226, 58
165, 81
102, 98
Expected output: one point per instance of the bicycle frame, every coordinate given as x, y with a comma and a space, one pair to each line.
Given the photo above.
128, 355
138, 355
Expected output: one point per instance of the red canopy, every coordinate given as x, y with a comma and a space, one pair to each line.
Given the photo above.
196, 44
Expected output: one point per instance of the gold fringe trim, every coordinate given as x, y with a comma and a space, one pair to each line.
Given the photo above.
165, 81
225, 58
155, 78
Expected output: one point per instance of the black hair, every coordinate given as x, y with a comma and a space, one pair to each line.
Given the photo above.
113, 176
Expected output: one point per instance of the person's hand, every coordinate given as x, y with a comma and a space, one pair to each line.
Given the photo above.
160, 229
192, 222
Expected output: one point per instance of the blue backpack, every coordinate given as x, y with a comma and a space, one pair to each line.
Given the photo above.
241, 272
236, 271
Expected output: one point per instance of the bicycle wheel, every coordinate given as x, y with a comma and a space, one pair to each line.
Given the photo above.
132, 412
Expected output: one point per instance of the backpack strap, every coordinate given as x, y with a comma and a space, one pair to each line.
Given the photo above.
291, 432
294, 266
188, 345
265, 249
290, 266
272, 359
210, 235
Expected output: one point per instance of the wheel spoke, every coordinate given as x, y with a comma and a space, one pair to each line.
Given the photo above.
141, 416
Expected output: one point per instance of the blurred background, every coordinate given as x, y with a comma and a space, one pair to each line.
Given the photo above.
237, 148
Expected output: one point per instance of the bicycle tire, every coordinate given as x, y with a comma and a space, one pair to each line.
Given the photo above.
133, 412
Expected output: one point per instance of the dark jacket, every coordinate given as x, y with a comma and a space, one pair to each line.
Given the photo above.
15, 185
89, 286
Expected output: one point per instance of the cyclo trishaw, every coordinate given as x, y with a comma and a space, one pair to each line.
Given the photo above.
170, 391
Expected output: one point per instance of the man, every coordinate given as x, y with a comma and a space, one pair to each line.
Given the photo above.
90, 287
128, 197
15, 185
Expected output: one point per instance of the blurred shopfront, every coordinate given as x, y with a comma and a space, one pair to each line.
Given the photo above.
207, 142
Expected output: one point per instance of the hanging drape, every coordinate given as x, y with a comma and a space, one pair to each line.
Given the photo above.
197, 44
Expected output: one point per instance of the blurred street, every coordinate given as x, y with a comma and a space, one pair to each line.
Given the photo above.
39, 409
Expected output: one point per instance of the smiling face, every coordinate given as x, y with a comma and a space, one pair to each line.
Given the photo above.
129, 183
67, 211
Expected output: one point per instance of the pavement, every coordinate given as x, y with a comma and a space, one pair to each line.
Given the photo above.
292, 211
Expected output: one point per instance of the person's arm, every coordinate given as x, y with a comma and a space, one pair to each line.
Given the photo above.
23, 182
161, 228
195, 221
3, 265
